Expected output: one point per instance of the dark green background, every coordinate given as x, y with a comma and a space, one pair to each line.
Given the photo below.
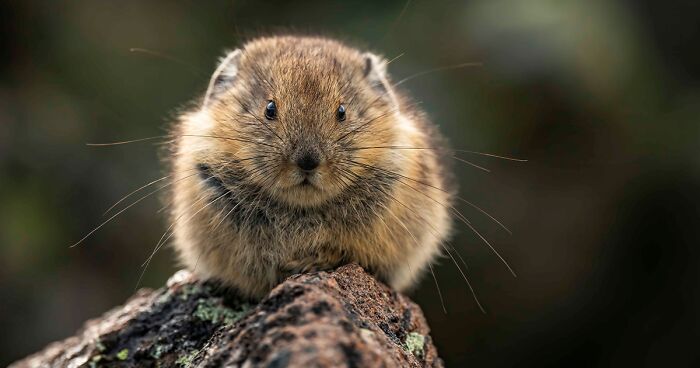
603, 98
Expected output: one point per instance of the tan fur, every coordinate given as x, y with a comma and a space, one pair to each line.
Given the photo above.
239, 213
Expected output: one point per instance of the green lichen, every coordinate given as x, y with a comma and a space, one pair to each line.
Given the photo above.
158, 350
191, 289
164, 298
210, 310
414, 344
95, 360
187, 359
100, 346
123, 354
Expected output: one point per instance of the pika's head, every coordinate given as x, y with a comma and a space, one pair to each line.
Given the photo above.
303, 119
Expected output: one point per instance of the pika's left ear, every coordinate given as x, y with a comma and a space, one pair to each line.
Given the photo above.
224, 76
376, 74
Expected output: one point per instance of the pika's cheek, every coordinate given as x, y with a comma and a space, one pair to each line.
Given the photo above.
334, 176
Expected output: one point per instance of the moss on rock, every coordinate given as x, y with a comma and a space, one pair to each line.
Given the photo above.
415, 343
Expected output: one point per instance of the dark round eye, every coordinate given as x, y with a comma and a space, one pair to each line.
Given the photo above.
340, 114
271, 111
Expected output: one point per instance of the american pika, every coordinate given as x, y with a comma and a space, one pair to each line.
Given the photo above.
303, 156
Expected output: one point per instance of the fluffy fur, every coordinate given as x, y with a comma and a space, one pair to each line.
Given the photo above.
244, 213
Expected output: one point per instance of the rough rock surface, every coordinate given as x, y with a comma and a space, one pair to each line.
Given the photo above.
343, 318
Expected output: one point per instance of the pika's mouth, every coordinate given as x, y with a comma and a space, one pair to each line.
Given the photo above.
308, 183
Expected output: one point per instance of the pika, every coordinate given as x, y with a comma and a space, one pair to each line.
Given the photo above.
302, 156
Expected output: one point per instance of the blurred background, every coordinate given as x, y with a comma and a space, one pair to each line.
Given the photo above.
602, 98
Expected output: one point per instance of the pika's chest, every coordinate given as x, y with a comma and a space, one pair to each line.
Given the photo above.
267, 217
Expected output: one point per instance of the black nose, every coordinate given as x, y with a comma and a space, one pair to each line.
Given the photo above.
308, 162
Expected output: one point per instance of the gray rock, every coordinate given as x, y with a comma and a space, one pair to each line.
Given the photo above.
343, 318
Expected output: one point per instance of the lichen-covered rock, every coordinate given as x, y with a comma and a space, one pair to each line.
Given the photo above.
343, 318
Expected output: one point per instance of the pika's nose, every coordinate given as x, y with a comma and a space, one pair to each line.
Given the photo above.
308, 162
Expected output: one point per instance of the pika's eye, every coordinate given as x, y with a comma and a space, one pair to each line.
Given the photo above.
271, 111
340, 114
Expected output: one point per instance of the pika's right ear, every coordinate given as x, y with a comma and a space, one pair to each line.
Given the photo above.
224, 76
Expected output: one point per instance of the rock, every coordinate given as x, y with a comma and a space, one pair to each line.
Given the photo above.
343, 318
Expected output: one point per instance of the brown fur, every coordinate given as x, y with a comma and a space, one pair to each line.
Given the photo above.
239, 212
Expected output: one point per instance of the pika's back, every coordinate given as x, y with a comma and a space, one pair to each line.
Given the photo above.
301, 157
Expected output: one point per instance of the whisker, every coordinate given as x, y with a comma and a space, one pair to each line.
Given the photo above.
124, 209
124, 142
180, 135
460, 258
504, 227
462, 200
492, 155
165, 207
493, 249
449, 67
396, 21
442, 301
148, 261
134, 192
471, 163
446, 244
432, 272
395, 58
168, 57
434, 233
459, 215
140, 189
371, 120
438, 148
176, 221
415, 241
466, 279
247, 111
226, 215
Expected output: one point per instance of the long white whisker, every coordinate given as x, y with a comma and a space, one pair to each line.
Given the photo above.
134, 192
124, 209
459, 215
449, 67
148, 261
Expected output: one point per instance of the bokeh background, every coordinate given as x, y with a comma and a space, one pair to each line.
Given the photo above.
602, 98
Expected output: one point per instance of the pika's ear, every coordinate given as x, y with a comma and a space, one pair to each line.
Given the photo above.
375, 72
224, 76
